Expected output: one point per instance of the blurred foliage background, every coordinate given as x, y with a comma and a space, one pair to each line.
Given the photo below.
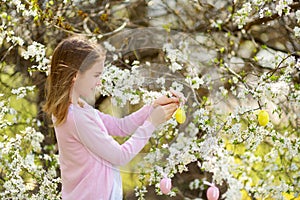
212, 22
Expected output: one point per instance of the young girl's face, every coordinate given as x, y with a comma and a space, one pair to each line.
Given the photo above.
85, 83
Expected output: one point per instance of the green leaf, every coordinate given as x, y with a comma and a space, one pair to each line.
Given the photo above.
264, 46
167, 27
222, 50
274, 77
36, 18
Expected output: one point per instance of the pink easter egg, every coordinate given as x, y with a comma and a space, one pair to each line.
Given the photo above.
165, 185
212, 193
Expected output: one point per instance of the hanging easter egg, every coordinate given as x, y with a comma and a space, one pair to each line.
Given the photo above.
263, 118
212, 193
180, 115
165, 185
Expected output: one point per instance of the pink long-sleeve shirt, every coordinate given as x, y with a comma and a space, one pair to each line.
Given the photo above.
88, 152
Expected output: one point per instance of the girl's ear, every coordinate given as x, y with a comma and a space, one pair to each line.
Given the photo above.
74, 78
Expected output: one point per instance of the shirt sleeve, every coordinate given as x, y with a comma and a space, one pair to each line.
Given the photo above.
125, 126
96, 139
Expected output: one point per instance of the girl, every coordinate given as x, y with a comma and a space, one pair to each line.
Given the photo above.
88, 154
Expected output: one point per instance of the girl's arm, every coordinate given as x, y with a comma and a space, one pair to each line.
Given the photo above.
127, 125
91, 134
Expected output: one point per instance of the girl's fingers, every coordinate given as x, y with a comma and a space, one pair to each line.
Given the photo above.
179, 95
161, 114
169, 109
164, 100
171, 100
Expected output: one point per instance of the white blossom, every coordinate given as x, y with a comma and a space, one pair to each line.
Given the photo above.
297, 13
283, 7
109, 47
224, 91
38, 52
241, 17
21, 92
195, 82
177, 86
297, 31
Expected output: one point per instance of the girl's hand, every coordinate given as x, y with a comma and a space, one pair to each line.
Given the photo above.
178, 95
164, 100
161, 114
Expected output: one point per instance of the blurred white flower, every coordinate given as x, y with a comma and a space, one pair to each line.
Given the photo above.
297, 31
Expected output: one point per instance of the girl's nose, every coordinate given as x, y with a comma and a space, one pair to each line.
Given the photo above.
98, 83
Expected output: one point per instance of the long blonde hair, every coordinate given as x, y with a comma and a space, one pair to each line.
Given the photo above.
72, 55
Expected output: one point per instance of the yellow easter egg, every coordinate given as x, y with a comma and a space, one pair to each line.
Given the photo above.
263, 118
180, 115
